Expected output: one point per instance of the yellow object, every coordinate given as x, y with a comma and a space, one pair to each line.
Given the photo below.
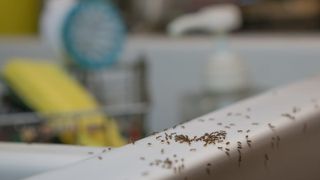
19, 16
48, 89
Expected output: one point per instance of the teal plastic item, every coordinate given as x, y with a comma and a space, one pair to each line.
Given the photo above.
93, 34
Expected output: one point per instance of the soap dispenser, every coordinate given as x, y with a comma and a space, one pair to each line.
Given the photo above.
226, 74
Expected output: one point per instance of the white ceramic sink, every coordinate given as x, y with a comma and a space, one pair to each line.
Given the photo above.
282, 127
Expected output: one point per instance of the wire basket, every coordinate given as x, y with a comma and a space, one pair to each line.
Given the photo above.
33, 127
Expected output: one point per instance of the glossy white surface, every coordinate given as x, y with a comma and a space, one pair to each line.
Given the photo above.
19, 161
283, 126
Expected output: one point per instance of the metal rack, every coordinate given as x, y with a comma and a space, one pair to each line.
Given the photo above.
128, 105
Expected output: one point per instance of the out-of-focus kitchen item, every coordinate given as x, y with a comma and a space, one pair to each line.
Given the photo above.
225, 70
49, 90
226, 73
53, 15
214, 19
19, 17
284, 15
93, 34
90, 33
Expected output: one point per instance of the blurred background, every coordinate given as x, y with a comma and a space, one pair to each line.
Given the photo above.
109, 72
